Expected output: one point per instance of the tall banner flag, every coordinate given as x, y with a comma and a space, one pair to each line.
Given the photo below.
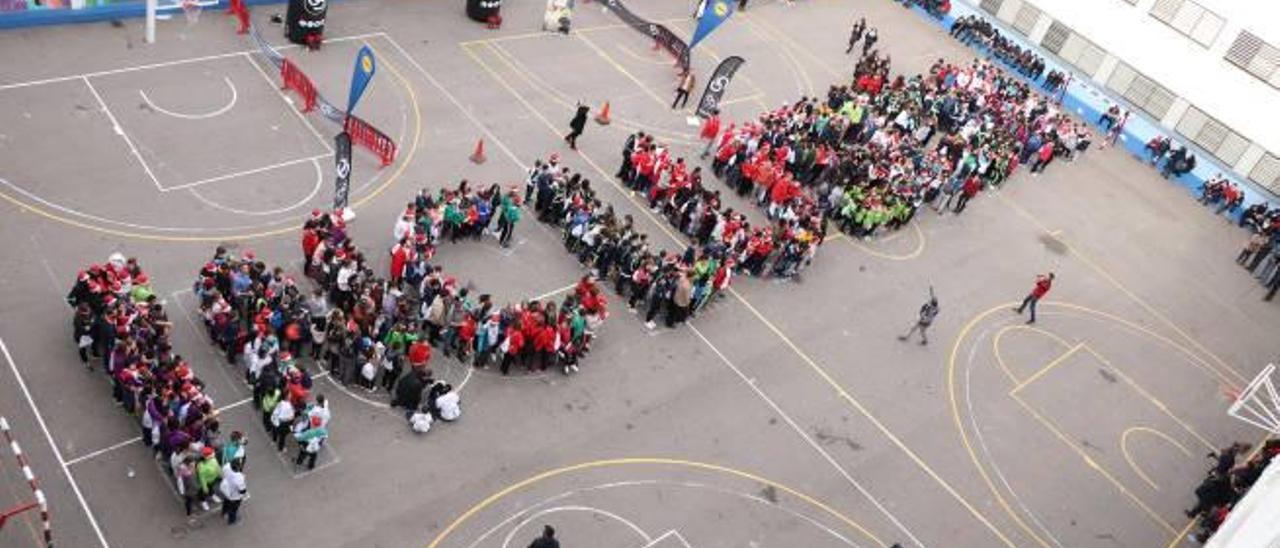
365, 67
659, 33
714, 13
717, 84
342, 169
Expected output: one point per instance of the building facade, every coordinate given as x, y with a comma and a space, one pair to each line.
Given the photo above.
1207, 71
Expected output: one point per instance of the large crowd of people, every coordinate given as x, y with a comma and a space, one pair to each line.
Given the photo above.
120, 324
868, 155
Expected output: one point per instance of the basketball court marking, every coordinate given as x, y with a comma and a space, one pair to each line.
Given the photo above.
115, 126
862, 246
288, 103
65, 215
624, 462
648, 540
556, 96
1098, 315
618, 66
203, 116
315, 189
95, 74
1128, 457
822, 373
1120, 286
57, 453
799, 75
754, 498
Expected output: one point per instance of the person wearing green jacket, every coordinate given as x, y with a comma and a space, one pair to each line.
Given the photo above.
208, 473
310, 441
269, 401
507, 222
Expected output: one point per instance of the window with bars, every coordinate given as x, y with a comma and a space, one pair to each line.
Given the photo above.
1140, 91
1212, 136
991, 6
1055, 37
1026, 18
1190, 19
1256, 57
1267, 172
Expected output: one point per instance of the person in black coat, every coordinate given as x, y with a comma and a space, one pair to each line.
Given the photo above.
409, 390
547, 540
576, 125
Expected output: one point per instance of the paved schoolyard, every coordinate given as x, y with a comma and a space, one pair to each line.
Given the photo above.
786, 414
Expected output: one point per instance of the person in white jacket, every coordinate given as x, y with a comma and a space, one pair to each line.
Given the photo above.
281, 419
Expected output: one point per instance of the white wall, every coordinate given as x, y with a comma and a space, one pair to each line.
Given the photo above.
1201, 76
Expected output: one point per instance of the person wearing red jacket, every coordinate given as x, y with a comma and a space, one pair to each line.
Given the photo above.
710, 128
970, 189
544, 345
1043, 283
1043, 156
512, 346
419, 354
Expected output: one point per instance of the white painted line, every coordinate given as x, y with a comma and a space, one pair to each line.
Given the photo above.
136, 439
554, 292
204, 116
289, 104
315, 189
827, 456
173, 63
648, 540
465, 112
57, 454
120, 131
279, 165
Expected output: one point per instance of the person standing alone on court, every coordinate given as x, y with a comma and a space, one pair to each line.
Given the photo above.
547, 540
1043, 283
683, 89
928, 311
576, 125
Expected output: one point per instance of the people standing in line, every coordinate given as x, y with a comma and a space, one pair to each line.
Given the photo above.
310, 440
510, 215
576, 125
928, 311
683, 89
548, 538
233, 490
1043, 283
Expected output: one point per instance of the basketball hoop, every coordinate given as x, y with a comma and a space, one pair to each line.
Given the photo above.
1259, 403
191, 8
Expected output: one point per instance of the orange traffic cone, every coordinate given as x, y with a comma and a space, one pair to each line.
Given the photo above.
603, 117
478, 155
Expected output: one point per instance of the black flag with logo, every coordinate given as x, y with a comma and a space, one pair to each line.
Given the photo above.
342, 169
657, 32
717, 84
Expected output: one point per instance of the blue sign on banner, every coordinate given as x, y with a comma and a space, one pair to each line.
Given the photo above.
365, 67
714, 13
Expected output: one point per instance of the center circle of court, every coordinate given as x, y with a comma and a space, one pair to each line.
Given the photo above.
653, 502
203, 149
1067, 332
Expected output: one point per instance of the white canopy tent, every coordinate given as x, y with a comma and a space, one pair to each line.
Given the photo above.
1255, 520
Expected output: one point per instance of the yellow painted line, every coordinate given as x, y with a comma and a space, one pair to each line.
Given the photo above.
790, 60
1061, 358
667, 61
1182, 535
404, 163
618, 66
866, 413
614, 463
916, 252
1154, 400
1124, 448
539, 34
779, 34
995, 345
821, 372
1123, 289
556, 96
1091, 463
964, 433
753, 97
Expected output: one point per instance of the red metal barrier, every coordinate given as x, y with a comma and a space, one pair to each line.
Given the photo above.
369, 137
298, 81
